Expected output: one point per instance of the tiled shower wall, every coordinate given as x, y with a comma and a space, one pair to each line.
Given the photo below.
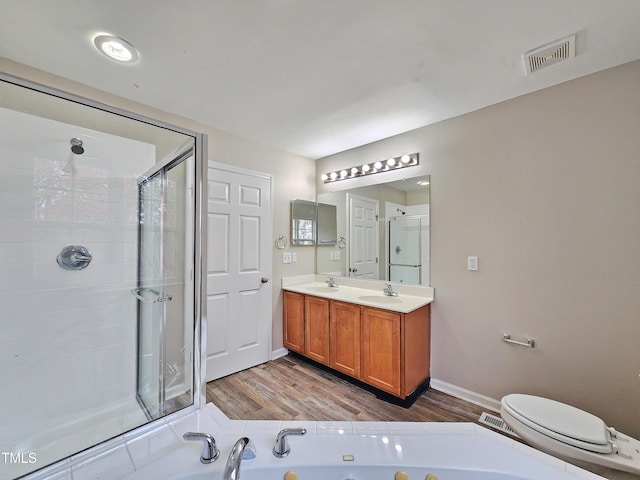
67, 341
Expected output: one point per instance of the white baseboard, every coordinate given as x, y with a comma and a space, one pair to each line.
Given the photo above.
467, 395
280, 352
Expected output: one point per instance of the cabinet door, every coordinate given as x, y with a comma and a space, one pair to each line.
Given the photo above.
344, 325
293, 328
381, 349
316, 334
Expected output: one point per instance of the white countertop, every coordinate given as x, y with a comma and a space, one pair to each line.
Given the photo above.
361, 292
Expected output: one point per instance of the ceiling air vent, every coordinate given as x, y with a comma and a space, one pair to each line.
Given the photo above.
551, 54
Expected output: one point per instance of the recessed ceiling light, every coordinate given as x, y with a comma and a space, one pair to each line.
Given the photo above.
116, 48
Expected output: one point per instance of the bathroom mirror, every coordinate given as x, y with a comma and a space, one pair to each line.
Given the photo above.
304, 222
385, 228
327, 224
91, 353
313, 223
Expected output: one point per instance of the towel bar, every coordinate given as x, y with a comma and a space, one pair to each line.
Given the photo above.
530, 343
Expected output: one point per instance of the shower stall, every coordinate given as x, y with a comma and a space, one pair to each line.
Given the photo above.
407, 241
100, 281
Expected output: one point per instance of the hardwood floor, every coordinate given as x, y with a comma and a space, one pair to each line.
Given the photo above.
291, 389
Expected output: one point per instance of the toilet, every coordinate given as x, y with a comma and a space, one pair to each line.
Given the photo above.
569, 433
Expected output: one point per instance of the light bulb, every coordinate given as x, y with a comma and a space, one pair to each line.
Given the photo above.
377, 165
354, 171
391, 162
116, 48
343, 173
324, 177
405, 158
333, 175
365, 168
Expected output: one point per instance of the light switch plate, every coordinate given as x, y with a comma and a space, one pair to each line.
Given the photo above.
472, 263
337, 255
294, 257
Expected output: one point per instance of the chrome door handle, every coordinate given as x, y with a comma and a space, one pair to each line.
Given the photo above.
264, 279
138, 293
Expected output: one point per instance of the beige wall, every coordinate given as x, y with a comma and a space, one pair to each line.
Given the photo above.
293, 175
545, 189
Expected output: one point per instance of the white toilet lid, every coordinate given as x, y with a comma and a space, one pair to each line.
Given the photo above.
561, 421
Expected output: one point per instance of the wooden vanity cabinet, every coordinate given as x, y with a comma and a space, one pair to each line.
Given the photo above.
385, 349
316, 329
293, 315
396, 349
345, 338
381, 349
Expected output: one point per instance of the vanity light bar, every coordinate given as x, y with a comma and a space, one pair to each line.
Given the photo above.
388, 165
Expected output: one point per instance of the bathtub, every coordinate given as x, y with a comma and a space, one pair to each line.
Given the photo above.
366, 451
370, 473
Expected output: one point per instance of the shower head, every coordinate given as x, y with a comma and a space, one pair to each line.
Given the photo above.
76, 146
402, 212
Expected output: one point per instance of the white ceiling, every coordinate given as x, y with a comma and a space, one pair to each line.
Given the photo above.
316, 77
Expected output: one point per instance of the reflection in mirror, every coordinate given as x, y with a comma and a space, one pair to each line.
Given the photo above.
386, 227
327, 224
304, 218
93, 353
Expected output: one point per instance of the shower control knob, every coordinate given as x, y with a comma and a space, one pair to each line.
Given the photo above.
74, 257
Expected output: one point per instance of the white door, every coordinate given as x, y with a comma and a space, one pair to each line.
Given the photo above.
363, 242
238, 271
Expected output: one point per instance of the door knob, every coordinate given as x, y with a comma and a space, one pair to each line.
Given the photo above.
264, 279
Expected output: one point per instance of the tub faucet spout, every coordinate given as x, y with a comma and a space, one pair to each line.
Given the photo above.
281, 449
210, 451
232, 468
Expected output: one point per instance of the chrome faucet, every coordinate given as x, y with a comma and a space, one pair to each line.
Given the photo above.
281, 449
332, 282
389, 291
243, 448
210, 451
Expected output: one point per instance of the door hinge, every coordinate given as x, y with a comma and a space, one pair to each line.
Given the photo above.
376, 217
376, 260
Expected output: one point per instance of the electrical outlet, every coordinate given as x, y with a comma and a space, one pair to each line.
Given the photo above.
286, 257
472, 263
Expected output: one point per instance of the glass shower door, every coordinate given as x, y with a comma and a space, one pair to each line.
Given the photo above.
404, 250
150, 293
164, 291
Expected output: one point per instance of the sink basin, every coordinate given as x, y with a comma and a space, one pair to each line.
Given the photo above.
321, 289
380, 299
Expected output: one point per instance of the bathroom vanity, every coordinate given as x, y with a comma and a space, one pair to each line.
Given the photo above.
381, 341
